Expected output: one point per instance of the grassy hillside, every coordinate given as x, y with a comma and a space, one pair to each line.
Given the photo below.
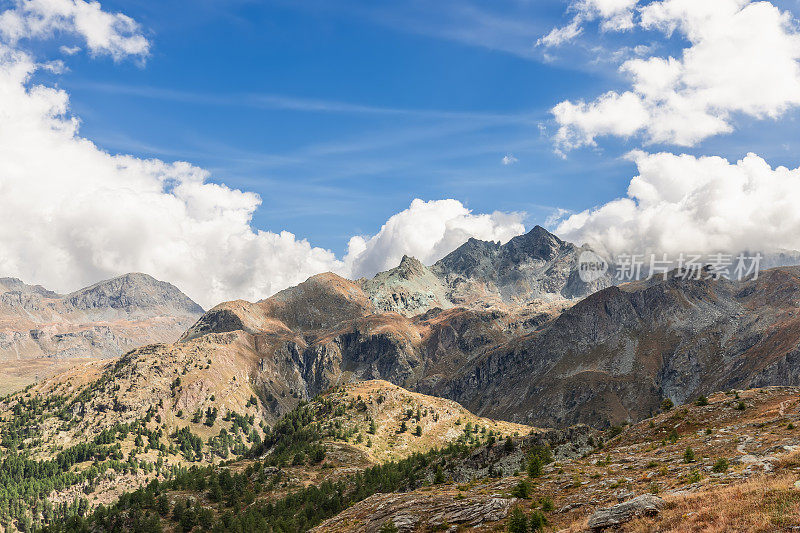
726, 463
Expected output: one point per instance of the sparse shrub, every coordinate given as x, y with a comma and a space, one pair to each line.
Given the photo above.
546, 502
418, 431
701, 401
536, 522
673, 436
535, 466
388, 527
438, 477
694, 477
790, 426
522, 490
666, 404
740, 406
720, 466
517, 521
688, 455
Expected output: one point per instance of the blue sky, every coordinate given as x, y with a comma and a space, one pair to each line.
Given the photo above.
340, 114
339, 117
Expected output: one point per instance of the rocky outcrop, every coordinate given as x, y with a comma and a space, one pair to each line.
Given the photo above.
644, 505
418, 511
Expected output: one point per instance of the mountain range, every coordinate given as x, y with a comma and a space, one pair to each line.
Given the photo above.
511, 332
508, 330
376, 393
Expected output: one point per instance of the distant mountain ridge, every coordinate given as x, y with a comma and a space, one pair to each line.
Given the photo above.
508, 330
40, 328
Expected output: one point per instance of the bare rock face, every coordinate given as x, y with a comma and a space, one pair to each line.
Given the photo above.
537, 267
131, 296
418, 511
410, 289
644, 505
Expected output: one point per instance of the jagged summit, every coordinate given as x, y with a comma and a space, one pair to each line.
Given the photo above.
538, 243
410, 267
534, 266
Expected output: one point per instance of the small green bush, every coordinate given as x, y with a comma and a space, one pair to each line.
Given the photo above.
720, 466
688, 456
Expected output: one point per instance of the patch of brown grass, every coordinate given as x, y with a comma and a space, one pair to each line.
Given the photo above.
763, 504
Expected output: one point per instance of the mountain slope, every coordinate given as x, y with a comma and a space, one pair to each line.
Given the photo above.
107, 427
615, 355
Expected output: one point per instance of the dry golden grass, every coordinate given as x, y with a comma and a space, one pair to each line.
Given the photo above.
763, 504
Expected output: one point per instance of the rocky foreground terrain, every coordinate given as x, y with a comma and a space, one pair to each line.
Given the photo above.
729, 462
42, 332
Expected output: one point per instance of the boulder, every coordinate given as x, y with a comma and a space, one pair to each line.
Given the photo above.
644, 505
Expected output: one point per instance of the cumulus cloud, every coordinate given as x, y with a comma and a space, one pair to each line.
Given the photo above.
742, 58
509, 159
683, 203
74, 214
113, 34
427, 231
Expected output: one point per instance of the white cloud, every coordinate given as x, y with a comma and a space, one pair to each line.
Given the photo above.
509, 159
427, 231
559, 36
74, 214
113, 34
742, 58
614, 15
682, 203
69, 50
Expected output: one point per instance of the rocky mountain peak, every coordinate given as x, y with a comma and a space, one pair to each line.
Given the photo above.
133, 293
410, 267
17, 285
538, 243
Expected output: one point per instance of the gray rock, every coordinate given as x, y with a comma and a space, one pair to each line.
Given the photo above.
644, 505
